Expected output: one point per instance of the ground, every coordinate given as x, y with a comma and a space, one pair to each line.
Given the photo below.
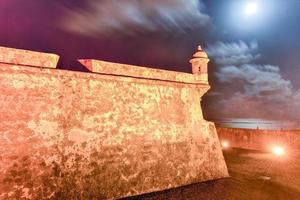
254, 175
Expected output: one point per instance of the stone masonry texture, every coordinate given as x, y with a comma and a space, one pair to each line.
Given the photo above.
260, 139
28, 58
74, 135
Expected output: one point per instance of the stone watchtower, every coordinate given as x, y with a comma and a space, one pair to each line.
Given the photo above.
199, 64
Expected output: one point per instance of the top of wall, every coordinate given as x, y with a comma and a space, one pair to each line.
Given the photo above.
104, 67
27, 58
47, 60
239, 130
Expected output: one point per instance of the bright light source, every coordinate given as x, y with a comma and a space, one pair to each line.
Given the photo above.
251, 8
278, 151
225, 144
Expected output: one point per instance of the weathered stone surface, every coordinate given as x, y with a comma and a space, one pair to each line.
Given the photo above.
260, 139
199, 64
72, 135
104, 67
28, 58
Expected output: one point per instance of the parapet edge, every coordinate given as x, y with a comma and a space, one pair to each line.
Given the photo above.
118, 69
28, 58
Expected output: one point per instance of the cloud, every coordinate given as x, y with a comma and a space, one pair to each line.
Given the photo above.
251, 90
241, 105
234, 53
132, 17
258, 80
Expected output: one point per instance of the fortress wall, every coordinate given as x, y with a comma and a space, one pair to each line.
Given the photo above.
71, 135
260, 139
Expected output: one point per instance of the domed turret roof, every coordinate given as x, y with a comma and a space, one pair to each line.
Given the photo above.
200, 53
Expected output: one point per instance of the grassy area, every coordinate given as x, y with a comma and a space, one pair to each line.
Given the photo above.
254, 175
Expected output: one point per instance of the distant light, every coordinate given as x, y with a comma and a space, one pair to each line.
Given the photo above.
251, 8
278, 151
225, 144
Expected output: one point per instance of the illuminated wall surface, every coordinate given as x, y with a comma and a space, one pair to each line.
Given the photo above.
260, 139
118, 131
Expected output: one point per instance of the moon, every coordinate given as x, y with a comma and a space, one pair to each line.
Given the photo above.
251, 8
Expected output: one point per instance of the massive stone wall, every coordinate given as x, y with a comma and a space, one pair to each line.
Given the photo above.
101, 135
260, 139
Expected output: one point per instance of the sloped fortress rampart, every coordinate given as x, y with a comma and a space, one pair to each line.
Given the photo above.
117, 131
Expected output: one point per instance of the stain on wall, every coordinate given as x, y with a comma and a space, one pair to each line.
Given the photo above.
73, 135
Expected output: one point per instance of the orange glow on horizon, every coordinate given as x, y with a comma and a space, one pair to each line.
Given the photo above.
225, 144
278, 150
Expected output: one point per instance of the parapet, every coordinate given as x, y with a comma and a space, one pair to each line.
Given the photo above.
103, 67
28, 58
47, 60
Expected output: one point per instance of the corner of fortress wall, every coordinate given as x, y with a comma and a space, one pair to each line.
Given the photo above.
118, 131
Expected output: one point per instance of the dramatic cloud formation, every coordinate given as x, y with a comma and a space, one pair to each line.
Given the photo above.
134, 16
264, 92
241, 105
258, 80
233, 53
256, 91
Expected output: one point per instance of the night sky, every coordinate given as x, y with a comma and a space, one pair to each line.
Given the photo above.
254, 53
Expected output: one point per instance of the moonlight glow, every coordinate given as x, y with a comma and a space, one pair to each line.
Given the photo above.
251, 8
